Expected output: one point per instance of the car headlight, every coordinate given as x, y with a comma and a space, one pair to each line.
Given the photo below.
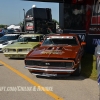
5, 50
69, 64
29, 49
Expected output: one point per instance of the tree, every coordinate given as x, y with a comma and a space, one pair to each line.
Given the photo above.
2, 26
21, 24
54, 20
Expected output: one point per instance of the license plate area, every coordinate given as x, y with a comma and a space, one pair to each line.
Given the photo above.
48, 74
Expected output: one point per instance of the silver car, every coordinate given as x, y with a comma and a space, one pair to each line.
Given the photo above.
8, 39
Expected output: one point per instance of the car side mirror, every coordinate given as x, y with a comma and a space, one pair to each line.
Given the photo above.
83, 43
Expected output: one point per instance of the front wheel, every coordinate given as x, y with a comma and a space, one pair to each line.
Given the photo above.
77, 71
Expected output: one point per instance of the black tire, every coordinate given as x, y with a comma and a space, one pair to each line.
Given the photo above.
77, 71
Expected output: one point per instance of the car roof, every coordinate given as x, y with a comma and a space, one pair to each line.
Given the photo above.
11, 34
29, 35
63, 34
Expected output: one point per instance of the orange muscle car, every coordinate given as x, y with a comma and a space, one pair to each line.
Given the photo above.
58, 55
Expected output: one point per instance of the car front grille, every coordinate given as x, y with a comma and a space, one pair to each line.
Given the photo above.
22, 50
17, 50
12, 50
49, 64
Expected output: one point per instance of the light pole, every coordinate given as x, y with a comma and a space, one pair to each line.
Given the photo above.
34, 23
24, 19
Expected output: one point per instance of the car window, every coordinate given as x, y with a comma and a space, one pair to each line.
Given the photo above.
62, 41
10, 31
28, 39
9, 37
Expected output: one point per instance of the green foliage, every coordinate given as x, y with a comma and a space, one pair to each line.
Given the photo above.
21, 24
55, 21
89, 66
2, 26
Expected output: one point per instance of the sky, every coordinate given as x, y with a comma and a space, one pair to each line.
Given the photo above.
11, 11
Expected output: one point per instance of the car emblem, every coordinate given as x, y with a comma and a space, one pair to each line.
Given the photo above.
47, 64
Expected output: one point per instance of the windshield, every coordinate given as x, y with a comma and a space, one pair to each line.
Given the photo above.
5, 38
60, 41
10, 31
28, 39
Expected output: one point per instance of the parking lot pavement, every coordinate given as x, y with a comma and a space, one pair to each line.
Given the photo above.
69, 88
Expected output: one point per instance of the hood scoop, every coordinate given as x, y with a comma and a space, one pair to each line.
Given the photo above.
50, 48
23, 42
57, 48
53, 52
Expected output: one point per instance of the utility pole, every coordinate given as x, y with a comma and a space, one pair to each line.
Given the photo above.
24, 19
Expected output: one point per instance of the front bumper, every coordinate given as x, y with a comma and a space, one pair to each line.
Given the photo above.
15, 55
51, 67
2, 46
50, 72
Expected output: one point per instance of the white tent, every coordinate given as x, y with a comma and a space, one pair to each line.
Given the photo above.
13, 27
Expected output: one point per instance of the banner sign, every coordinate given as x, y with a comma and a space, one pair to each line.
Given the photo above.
94, 29
29, 18
29, 26
80, 33
91, 42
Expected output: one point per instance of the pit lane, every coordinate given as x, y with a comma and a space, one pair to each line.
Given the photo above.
13, 74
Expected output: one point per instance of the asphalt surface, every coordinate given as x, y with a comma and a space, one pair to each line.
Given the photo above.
16, 83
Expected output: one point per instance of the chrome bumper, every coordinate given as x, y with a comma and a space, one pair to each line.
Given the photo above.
52, 70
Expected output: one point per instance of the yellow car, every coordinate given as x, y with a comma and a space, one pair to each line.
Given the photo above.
25, 43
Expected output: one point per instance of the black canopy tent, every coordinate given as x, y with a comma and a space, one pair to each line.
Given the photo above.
62, 6
65, 1
56, 1
91, 40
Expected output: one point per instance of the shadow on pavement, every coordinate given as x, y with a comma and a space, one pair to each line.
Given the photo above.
88, 64
16, 58
63, 78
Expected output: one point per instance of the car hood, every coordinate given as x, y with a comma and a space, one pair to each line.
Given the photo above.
54, 52
22, 45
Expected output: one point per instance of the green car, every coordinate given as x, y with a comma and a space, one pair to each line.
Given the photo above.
25, 43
